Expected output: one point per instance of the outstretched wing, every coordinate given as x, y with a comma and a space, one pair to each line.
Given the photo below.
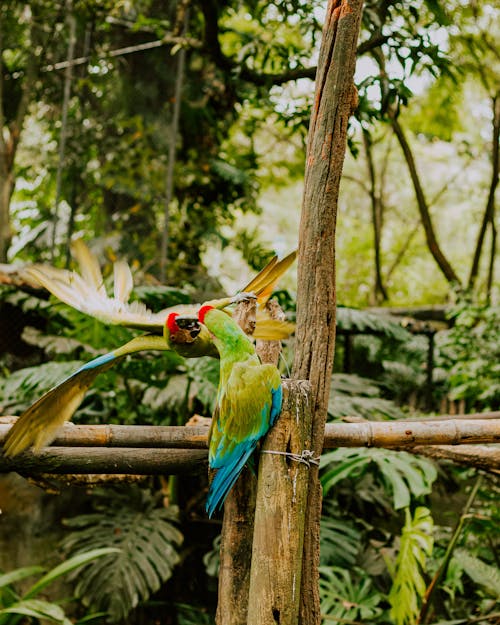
85, 291
39, 424
248, 406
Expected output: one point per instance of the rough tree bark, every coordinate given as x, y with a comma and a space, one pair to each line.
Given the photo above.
274, 593
335, 99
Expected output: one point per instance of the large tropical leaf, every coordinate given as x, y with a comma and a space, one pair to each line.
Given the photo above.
340, 541
408, 585
355, 396
403, 475
38, 609
370, 322
147, 540
348, 594
485, 575
22, 387
11, 603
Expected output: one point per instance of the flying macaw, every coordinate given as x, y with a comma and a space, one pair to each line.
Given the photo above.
249, 400
39, 424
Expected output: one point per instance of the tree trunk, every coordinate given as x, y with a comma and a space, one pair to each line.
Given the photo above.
379, 291
280, 513
9, 139
335, 99
425, 216
489, 212
6, 188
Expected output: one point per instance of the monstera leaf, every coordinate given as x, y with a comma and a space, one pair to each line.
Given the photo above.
147, 539
402, 475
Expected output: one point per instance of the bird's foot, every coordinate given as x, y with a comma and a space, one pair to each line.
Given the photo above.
243, 297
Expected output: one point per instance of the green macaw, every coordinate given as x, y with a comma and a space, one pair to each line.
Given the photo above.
249, 400
39, 424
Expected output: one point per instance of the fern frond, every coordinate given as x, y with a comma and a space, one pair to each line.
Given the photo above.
375, 323
485, 575
355, 396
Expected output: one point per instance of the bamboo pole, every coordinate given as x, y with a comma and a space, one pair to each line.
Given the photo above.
78, 460
150, 436
389, 434
276, 571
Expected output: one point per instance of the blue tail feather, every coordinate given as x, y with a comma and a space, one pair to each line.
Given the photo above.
224, 480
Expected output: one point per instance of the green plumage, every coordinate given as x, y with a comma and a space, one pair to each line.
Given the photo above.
248, 402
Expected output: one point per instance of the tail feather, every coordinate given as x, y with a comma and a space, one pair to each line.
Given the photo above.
224, 480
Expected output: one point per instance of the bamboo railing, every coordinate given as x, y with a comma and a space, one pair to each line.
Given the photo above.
148, 450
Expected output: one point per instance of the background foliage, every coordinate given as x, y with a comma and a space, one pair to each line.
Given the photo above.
427, 80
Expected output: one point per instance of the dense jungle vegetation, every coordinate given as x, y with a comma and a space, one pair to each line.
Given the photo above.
173, 135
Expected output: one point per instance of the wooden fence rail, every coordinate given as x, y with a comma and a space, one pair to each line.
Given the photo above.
398, 433
128, 449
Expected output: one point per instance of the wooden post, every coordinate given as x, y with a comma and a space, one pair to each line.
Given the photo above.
235, 551
239, 508
335, 99
280, 513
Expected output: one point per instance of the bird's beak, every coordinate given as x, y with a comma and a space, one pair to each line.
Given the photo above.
190, 324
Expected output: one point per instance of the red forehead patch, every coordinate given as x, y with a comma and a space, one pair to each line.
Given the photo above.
171, 323
203, 311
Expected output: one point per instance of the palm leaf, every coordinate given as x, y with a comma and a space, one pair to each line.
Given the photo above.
364, 321
353, 395
340, 540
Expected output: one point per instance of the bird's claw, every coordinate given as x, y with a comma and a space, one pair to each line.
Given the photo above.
243, 297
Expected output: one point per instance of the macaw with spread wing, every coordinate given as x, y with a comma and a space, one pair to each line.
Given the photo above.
39, 424
249, 400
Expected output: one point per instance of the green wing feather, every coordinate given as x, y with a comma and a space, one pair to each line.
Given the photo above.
39, 424
244, 409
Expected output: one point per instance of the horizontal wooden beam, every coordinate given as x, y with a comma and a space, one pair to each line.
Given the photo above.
150, 450
123, 460
149, 436
398, 433
402, 434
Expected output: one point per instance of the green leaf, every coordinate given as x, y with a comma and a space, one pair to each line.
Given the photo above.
408, 586
18, 574
402, 474
348, 594
66, 567
147, 554
38, 609
483, 574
